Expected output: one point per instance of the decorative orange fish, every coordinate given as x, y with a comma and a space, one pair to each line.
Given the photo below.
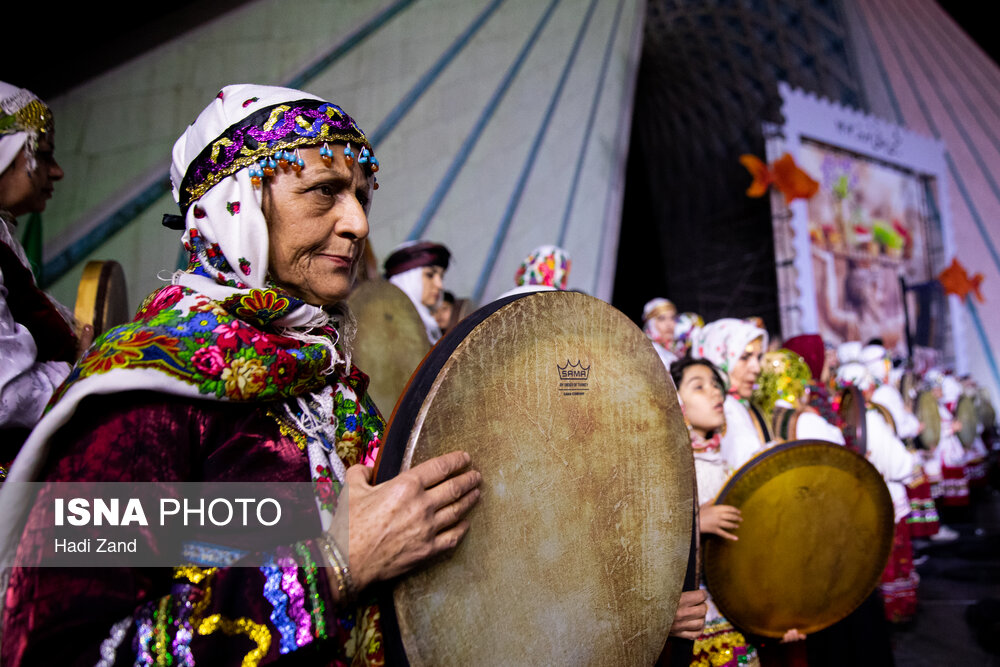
955, 280
790, 180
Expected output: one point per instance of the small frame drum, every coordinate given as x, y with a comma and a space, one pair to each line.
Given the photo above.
816, 534
391, 340
101, 296
854, 413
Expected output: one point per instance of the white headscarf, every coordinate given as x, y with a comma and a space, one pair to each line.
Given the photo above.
876, 359
653, 308
724, 341
855, 374
411, 282
24, 118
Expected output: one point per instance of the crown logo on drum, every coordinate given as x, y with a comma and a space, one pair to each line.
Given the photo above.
573, 371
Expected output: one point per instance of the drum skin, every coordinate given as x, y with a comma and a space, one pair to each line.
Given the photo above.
965, 412
580, 542
927, 413
391, 339
816, 534
101, 296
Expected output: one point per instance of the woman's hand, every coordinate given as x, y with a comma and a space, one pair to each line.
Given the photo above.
718, 519
84, 339
394, 526
792, 635
689, 620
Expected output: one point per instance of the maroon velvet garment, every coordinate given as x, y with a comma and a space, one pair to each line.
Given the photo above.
61, 616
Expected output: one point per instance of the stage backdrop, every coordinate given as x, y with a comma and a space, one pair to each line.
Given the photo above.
878, 217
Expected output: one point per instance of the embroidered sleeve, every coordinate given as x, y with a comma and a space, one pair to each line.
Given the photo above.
239, 616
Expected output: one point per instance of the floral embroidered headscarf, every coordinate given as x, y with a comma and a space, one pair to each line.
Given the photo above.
547, 265
723, 342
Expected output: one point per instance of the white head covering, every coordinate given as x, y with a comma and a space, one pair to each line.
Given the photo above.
855, 374
653, 308
951, 390
411, 282
849, 351
876, 358
23, 119
723, 342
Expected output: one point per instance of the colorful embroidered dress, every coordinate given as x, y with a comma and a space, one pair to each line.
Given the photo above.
225, 377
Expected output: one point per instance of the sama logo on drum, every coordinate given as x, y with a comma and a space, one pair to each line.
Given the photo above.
573, 378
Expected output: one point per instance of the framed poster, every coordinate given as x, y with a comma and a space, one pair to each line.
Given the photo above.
879, 216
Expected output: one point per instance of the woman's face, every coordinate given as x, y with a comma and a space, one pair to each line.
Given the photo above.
746, 369
433, 285
664, 323
443, 314
23, 191
317, 220
703, 398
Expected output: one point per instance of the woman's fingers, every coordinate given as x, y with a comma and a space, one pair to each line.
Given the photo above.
454, 489
449, 539
729, 536
453, 513
434, 471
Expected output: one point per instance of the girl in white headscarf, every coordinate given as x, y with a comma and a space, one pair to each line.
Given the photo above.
736, 348
659, 317
418, 268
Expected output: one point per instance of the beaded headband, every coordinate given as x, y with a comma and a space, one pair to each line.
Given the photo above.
268, 139
23, 112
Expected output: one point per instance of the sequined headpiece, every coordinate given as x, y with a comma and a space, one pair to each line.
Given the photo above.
268, 139
784, 376
21, 113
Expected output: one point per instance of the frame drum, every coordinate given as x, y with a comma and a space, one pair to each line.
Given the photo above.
580, 542
391, 339
816, 534
928, 414
965, 412
853, 411
101, 296
784, 422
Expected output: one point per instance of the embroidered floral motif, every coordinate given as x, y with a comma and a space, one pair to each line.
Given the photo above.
259, 306
248, 102
194, 339
234, 209
245, 266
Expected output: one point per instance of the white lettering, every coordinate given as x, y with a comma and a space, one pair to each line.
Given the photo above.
277, 511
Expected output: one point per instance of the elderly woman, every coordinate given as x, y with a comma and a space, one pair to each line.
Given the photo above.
736, 347
37, 343
240, 370
418, 268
